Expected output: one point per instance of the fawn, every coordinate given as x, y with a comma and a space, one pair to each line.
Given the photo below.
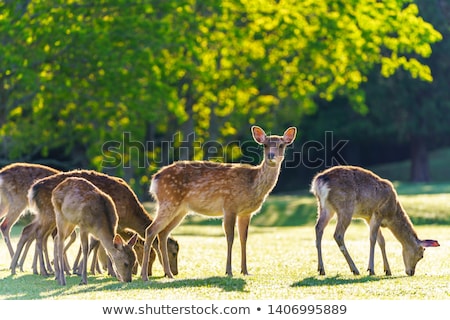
234, 191
77, 202
15, 180
354, 192
132, 214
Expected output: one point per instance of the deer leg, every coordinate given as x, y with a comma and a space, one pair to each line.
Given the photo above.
40, 255
150, 235
374, 231
94, 263
72, 238
84, 237
59, 252
58, 259
5, 228
28, 233
48, 265
163, 236
168, 218
110, 268
12, 215
324, 217
343, 222
24, 254
243, 223
229, 222
76, 263
382, 245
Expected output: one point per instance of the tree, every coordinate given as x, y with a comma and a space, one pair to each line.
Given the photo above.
411, 111
79, 75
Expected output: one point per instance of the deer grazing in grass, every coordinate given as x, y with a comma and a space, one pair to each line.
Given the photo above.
98, 252
234, 191
15, 180
353, 192
132, 214
77, 202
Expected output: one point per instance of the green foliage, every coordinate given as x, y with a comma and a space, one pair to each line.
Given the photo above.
77, 74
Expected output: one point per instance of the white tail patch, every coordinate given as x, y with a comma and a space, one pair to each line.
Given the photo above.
154, 187
31, 203
320, 189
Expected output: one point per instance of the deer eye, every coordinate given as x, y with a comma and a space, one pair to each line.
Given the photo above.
281, 146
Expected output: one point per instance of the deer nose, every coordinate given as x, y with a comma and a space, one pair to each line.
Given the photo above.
271, 156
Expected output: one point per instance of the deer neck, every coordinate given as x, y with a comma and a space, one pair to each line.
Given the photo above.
402, 228
140, 220
266, 178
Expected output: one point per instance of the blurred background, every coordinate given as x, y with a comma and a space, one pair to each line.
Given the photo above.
125, 87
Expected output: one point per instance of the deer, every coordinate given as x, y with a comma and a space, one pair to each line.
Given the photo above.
77, 202
139, 248
15, 180
232, 191
98, 251
132, 214
355, 192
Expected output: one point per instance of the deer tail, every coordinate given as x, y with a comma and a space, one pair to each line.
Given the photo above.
320, 188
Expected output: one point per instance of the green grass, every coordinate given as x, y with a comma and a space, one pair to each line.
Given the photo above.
281, 259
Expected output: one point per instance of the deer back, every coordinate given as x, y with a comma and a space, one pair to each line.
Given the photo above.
204, 187
83, 204
356, 191
16, 179
131, 212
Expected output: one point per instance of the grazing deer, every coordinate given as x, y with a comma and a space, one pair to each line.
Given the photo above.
15, 180
77, 202
234, 191
353, 192
98, 252
132, 214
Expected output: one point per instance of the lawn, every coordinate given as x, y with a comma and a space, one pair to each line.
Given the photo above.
281, 259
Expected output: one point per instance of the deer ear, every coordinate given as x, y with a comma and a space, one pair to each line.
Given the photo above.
117, 241
429, 243
133, 240
289, 135
258, 134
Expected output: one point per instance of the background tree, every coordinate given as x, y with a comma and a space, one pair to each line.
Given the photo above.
406, 117
90, 84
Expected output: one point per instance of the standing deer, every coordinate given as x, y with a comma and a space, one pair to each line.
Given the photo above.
132, 214
15, 180
234, 191
77, 202
353, 192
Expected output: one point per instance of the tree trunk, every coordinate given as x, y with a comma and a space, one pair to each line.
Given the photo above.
420, 168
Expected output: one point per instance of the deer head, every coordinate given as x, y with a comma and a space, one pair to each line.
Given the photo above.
274, 146
411, 257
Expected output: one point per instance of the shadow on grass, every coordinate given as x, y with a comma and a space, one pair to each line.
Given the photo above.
48, 288
338, 280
